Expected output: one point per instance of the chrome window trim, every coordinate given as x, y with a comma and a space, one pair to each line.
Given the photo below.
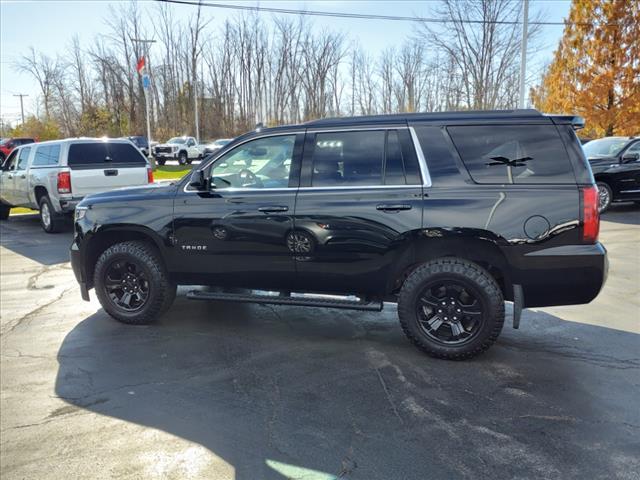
422, 161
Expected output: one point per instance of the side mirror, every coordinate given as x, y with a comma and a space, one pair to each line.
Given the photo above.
198, 180
630, 157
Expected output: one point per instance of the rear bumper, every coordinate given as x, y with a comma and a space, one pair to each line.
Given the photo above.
77, 264
68, 205
566, 275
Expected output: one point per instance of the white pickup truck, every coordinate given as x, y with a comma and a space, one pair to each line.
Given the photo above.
53, 177
183, 149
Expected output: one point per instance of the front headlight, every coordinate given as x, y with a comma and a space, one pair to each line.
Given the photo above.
80, 213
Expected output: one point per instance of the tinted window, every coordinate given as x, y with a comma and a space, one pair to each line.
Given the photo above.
394, 164
348, 158
23, 156
100, 153
260, 163
635, 148
513, 154
46, 155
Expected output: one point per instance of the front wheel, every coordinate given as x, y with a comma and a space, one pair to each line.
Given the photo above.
182, 158
451, 308
132, 283
605, 195
160, 162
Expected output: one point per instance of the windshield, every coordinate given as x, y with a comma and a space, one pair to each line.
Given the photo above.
605, 147
221, 142
177, 140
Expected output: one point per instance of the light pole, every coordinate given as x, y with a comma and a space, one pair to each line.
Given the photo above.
146, 85
21, 95
523, 52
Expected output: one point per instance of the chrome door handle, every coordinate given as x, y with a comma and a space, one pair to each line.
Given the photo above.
273, 209
393, 208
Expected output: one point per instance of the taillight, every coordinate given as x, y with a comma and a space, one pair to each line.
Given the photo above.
590, 215
149, 175
64, 182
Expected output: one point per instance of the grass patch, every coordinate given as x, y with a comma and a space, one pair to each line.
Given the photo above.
171, 172
19, 210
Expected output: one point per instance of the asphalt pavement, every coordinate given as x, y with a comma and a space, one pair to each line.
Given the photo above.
228, 391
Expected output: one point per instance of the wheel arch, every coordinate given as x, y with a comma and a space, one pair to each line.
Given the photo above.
108, 236
478, 246
39, 191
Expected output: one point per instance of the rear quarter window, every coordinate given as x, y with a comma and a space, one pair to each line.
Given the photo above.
102, 154
520, 154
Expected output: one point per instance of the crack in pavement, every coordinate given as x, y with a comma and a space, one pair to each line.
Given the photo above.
15, 324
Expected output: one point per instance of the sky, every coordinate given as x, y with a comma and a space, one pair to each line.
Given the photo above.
52, 23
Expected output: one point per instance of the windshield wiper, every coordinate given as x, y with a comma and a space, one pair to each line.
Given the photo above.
517, 162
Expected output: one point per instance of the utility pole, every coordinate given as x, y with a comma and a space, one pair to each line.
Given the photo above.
195, 104
146, 88
523, 52
21, 95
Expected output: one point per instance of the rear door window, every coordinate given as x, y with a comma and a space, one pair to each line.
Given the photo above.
104, 154
46, 156
520, 154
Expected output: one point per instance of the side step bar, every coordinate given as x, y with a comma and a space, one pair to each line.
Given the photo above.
306, 301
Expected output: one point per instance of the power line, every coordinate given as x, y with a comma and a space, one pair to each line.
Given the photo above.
364, 16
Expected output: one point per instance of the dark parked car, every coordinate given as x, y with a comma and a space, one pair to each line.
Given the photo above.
141, 142
446, 214
615, 162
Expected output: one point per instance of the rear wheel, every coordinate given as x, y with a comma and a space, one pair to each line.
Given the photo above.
605, 196
50, 220
132, 283
451, 308
4, 211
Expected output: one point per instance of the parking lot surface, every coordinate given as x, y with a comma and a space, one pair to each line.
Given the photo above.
228, 391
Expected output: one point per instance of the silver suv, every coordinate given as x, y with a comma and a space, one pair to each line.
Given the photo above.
53, 177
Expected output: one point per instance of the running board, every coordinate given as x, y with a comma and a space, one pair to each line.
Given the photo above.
305, 301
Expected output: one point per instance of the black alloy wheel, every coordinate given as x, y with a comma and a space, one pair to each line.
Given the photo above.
450, 312
127, 285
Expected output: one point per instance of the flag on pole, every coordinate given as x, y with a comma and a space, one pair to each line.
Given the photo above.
140, 65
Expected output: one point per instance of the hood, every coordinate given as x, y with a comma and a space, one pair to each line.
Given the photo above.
128, 194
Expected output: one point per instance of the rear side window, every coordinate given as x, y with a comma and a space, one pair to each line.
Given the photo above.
46, 156
521, 154
365, 158
102, 154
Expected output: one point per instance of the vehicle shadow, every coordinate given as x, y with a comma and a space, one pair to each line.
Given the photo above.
23, 235
345, 394
625, 213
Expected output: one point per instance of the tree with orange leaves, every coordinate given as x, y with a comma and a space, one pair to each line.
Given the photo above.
595, 72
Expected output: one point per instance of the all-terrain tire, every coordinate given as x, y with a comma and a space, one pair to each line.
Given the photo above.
162, 291
182, 158
453, 270
50, 221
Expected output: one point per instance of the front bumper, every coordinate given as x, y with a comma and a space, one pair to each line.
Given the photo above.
564, 275
77, 264
166, 155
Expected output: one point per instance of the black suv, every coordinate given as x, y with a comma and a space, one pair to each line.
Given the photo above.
615, 162
445, 214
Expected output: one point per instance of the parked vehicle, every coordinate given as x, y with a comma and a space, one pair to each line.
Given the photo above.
141, 142
183, 149
215, 145
447, 214
615, 162
53, 177
8, 144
